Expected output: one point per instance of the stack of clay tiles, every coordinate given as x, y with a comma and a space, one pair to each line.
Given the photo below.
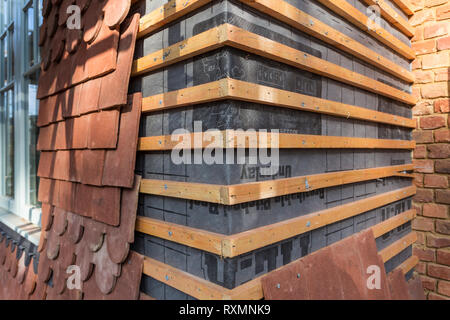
88, 141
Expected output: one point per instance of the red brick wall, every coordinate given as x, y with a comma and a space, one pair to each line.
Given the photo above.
432, 154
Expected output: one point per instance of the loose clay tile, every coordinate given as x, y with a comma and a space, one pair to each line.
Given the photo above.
118, 239
415, 288
103, 130
120, 163
119, 79
397, 285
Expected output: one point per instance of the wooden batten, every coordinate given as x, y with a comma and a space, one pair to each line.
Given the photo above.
398, 246
235, 139
388, 13
167, 13
246, 192
408, 264
244, 242
245, 91
283, 11
357, 18
229, 35
405, 6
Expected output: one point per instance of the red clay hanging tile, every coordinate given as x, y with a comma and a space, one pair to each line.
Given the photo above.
80, 132
62, 165
105, 271
78, 62
46, 164
92, 167
118, 239
116, 12
46, 190
92, 21
93, 236
73, 39
76, 165
66, 195
120, 163
46, 8
90, 95
102, 53
415, 288
62, 13
58, 45
83, 199
59, 221
42, 33
83, 4
105, 206
64, 135
104, 129
120, 78
52, 22
46, 139
46, 216
397, 285
74, 228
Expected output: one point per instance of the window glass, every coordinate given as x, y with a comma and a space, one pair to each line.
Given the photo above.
29, 41
33, 105
11, 56
8, 110
4, 58
5, 13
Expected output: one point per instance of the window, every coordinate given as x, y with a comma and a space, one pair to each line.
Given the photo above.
19, 74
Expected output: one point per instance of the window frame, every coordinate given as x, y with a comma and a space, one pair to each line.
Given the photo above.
17, 31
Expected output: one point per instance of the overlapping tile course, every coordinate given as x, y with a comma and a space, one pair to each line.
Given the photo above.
88, 141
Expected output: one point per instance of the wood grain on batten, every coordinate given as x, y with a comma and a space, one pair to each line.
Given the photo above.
360, 20
251, 191
285, 12
245, 91
244, 242
229, 35
236, 139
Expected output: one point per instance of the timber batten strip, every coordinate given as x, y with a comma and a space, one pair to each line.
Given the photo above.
167, 13
408, 264
388, 13
245, 91
405, 6
398, 246
241, 243
357, 18
202, 289
229, 35
251, 191
285, 12
236, 139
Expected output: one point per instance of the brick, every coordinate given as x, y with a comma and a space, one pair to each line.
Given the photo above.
442, 13
439, 151
424, 254
424, 47
432, 122
443, 43
442, 135
428, 283
420, 237
435, 210
423, 166
435, 181
443, 226
418, 34
416, 92
434, 90
417, 4
421, 17
420, 152
442, 75
438, 241
422, 108
444, 288
418, 209
423, 136
436, 60
439, 271
423, 224
443, 196
443, 257
433, 3
435, 30
434, 296
418, 179
424, 196
421, 267
442, 106
443, 166
416, 64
